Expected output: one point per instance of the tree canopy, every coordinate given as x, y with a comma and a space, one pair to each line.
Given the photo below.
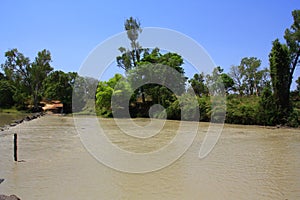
24, 83
255, 95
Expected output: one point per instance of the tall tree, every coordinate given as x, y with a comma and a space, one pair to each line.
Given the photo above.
38, 71
284, 58
198, 84
59, 86
267, 114
130, 57
263, 80
227, 81
16, 68
250, 66
237, 74
133, 28
279, 59
248, 78
292, 37
6, 93
219, 82
154, 66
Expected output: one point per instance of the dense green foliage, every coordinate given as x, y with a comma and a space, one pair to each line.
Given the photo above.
37, 73
279, 67
151, 78
254, 95
284, 58
7, 92
59, 86
104, 94
248, 78
24, 84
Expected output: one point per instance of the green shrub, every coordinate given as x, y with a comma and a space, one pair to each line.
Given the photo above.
242, 110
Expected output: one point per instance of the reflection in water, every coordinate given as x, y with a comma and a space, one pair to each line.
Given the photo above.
248, 162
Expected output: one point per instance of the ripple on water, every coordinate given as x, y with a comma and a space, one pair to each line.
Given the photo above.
248, 162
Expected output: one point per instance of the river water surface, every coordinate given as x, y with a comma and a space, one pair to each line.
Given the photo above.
248, 162
7, 118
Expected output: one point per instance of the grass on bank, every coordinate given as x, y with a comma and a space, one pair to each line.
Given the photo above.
12, 110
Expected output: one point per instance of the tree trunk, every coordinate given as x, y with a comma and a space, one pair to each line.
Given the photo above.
143, 95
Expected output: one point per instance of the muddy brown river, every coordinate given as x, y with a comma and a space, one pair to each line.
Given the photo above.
248, 162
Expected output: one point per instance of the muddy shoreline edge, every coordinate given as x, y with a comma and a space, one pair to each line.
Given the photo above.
16, 122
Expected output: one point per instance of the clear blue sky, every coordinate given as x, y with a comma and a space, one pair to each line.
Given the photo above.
229, 30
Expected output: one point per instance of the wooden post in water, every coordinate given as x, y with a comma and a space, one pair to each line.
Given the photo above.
15, 147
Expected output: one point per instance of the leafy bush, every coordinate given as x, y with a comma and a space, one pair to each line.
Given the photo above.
242, 110
204, 108
294, 118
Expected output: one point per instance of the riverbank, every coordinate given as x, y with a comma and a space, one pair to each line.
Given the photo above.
10, 119
11, 197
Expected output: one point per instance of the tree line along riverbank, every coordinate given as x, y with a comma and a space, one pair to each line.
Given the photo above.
254, 95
